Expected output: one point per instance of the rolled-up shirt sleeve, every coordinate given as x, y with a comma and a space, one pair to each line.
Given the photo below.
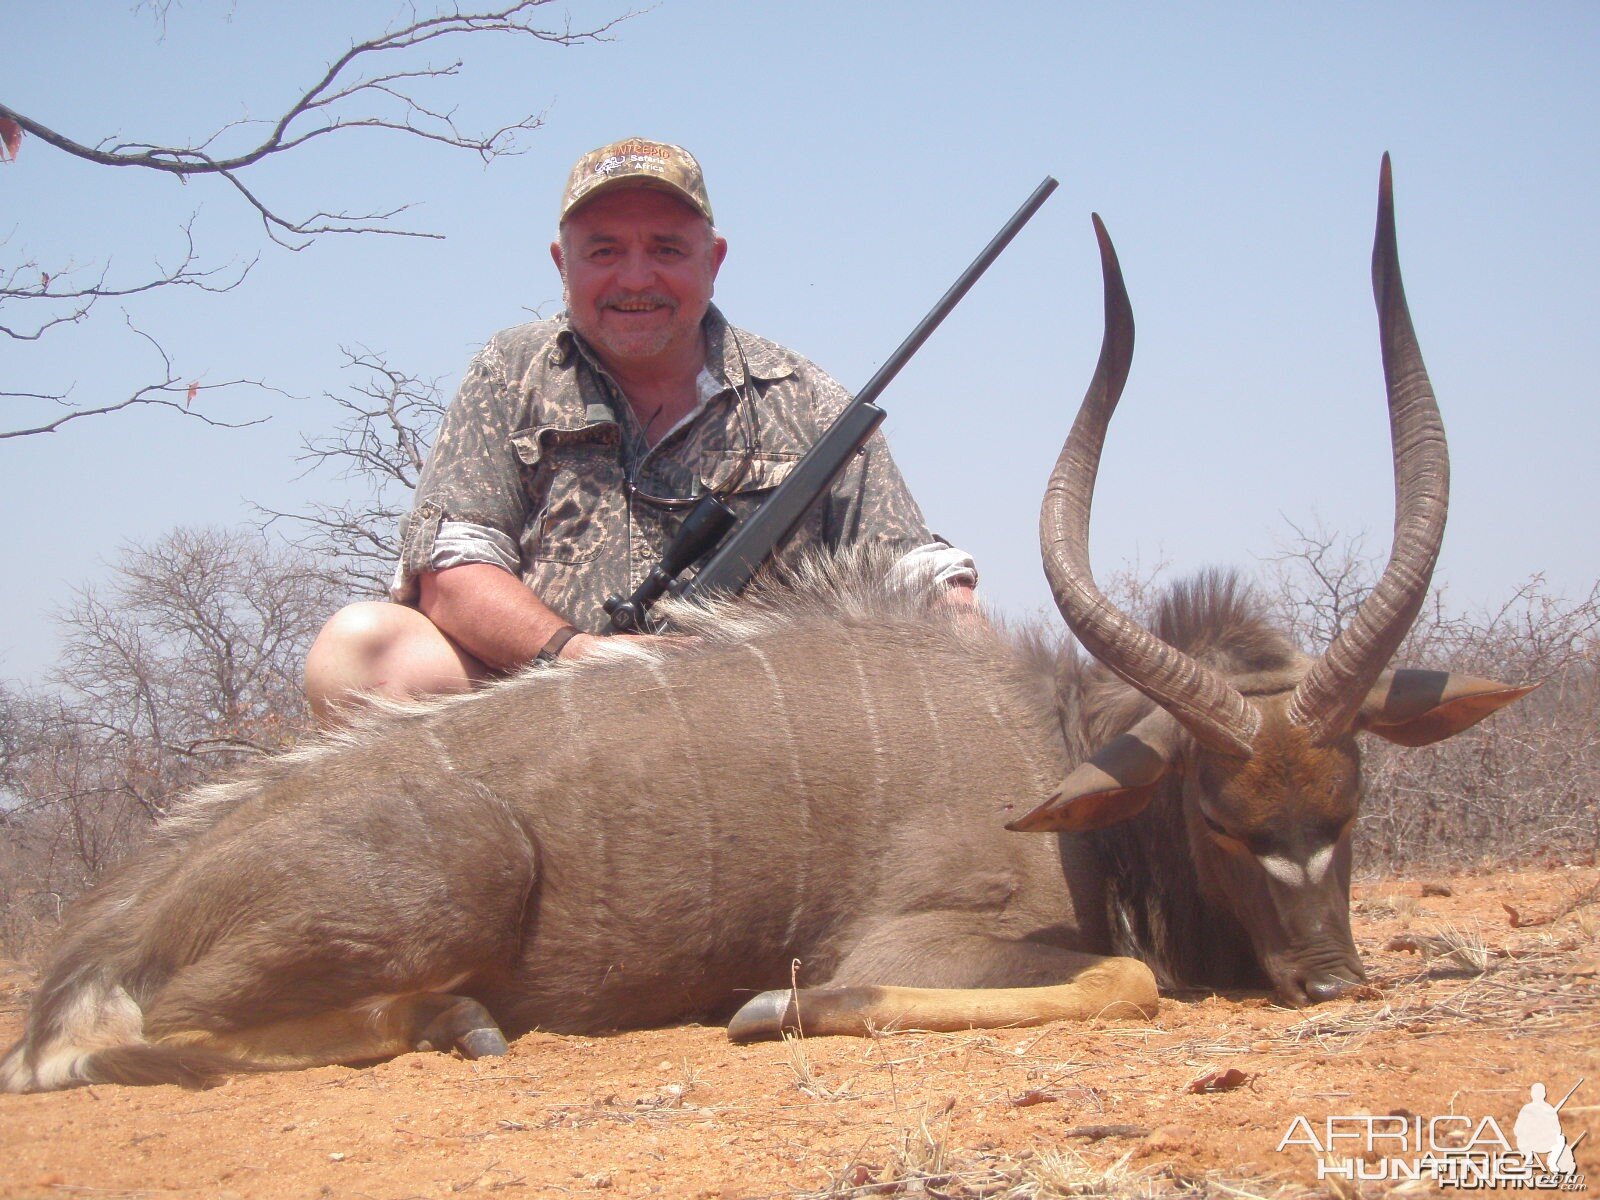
935, 564
470, 504
455, 544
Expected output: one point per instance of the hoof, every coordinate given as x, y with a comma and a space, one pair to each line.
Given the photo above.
763, 1019
482, 1043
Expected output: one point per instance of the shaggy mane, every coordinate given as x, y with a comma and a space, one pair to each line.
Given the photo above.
1220, 619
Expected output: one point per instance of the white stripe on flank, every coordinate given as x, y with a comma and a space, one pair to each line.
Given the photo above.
872, 726
1025, 752
562, 686
441, 749
802, 811
941, 752
708, 834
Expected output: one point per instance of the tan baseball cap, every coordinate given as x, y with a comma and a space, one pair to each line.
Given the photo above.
637, 162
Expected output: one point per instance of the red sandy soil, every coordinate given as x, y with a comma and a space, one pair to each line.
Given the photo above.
1116, 1108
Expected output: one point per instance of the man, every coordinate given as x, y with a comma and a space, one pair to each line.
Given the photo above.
574, 447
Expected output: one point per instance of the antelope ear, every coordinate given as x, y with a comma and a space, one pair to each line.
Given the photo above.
1112, 784
1417, 708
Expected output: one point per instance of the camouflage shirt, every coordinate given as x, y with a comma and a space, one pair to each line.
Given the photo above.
539, 449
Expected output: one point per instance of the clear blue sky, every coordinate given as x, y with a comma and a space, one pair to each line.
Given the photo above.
858, 155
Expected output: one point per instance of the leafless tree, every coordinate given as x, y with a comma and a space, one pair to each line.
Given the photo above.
186, 663
379, 447
382, 84
194, 651
1517, 788
1320, 579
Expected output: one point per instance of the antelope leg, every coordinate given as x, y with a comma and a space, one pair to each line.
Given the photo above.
1120, 988
373, 1030
972, 984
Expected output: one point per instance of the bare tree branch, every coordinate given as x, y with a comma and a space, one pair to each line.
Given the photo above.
59, 397
162, 394
1321, 579
158, 12
381, 445
27, 283
379, 84
347, 96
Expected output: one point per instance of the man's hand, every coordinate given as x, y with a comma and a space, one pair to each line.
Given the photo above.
962, 595
583, 644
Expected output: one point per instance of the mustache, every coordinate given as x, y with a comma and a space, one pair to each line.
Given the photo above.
615, 299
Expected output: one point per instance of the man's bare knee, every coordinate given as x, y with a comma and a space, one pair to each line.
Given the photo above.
373, 648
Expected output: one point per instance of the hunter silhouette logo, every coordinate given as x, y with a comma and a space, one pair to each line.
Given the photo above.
1538, 1131
1454, 1151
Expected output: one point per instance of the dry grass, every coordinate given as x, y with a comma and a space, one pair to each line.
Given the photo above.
805, 1075
1458, 981
1462, 983
1053, 1174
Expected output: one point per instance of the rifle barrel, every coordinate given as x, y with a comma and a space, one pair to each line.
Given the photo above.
764, 531
1568, 1096
891, 365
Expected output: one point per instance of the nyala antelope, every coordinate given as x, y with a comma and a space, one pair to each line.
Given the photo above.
832, 771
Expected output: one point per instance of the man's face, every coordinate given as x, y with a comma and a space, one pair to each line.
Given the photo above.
638, 266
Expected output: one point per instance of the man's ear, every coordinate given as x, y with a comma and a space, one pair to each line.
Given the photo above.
1417, 708
1112, 784
719, 251
555, 257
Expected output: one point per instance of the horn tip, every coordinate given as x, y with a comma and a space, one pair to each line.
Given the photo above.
1107, 250
1111, 269
1385, 249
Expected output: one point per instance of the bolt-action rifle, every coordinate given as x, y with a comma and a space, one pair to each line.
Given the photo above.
765, 530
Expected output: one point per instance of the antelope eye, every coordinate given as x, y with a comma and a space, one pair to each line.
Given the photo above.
1215, 826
